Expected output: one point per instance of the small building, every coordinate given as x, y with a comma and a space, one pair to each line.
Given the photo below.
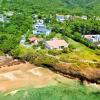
9, 13
92, 38
23, 39
41, 30
68, 17
40, 21
97, 18
1, 18
33, 40
38, 25
60, 18
56, 44
84, 17
98, 45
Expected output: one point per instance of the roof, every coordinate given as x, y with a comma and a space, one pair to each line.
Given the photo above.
88, 36
43, 29
56, 43
33, 39
91, 36
60, 16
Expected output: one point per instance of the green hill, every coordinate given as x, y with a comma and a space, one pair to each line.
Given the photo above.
66, 6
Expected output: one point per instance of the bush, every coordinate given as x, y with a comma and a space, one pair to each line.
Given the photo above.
54, 52
41, 59
97, 52
66, 50
71, 46
23, 53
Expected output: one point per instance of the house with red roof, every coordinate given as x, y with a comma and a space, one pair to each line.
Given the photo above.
56, 44
33, 40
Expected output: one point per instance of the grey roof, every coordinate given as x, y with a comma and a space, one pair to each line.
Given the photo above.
43, 29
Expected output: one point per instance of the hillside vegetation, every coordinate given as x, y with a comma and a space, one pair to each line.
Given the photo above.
67, 6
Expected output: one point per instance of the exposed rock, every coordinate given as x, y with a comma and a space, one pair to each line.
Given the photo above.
90, 74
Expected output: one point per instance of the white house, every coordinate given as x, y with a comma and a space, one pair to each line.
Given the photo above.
38, 25
92, 38
84, 17
1, 18
9, 13
56, 44
40, 28
97, 18
60, 18
68, 17
98, 45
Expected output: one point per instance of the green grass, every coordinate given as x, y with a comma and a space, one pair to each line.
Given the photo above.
82, 52
60, 92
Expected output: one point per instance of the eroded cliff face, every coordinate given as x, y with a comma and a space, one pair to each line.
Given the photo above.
87, 73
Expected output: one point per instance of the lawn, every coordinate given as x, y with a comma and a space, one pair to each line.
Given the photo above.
60, 92
81, 52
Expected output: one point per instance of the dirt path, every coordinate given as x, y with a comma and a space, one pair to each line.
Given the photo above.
25, 74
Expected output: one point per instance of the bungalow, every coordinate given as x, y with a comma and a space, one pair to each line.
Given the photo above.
60, 18
56, 44
92, 38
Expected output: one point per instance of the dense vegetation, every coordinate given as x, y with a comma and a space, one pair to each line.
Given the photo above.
22, 20
73, 6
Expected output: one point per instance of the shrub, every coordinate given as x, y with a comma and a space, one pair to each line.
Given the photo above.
71, 46
66, 50
97, 52
55, 52
40, 59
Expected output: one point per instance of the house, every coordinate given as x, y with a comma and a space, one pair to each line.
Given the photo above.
60, 18
92, 38
68, 17
33, 40
98, 45
9, 13
38, 25
1, 18
40, 21
56, 44
42, 30
97, 18
23, 39
84, 17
